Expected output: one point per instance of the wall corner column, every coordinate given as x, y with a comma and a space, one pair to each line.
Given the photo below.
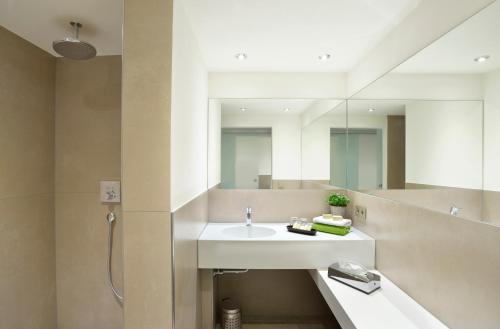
146, 109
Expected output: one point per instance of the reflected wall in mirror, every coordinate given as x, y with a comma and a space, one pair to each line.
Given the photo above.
414, 144
444, 104
324, 152
259, 143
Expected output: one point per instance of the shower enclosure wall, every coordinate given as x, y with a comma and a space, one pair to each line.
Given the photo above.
59, 136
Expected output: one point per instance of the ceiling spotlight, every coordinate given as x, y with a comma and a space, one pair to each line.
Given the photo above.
324, 57
241, 56
286, 109
371, 109
243, 109
482, 59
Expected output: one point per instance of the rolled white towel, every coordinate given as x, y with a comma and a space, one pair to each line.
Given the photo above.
326, 221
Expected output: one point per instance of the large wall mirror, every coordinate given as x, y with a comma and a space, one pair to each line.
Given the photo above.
274, 143
429, 131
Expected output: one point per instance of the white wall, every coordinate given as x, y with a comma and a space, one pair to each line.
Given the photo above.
492, 131
189, 114
444, 143
285, 139
316, 145
320, 108
277, 85
316, 142
214, 142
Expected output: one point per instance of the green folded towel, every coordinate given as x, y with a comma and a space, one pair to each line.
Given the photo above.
338, 230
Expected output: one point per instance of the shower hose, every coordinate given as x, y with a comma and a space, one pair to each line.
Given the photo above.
111, 218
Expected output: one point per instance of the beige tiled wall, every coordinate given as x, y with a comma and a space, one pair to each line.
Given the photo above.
88, 95
188, 223
146, 109
439, 199
491, 207
276, 296
451, 266
27, 253
267, 205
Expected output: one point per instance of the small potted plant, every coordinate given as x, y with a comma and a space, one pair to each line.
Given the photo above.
338, 202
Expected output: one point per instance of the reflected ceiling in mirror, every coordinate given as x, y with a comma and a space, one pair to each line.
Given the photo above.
451, 117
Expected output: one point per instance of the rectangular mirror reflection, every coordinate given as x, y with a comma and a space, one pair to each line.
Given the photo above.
438, 114
276, 143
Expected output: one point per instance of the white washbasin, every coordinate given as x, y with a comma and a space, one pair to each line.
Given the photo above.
249, 232
271, 246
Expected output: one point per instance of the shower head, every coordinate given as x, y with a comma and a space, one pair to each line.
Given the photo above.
72, 47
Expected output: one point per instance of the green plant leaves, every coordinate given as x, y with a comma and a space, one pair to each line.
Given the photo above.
338, 200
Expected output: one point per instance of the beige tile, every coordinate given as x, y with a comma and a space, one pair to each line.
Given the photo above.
208, 299
437, 198
88, 119
491, 207
449, 265
274, 296
147, 270
85, 300
27, 267
146, 105
267, 205
188, 222
27, 117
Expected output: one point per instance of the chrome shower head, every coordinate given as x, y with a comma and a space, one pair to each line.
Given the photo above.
72, 47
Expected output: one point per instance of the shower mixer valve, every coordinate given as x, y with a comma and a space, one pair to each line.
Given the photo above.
110, 191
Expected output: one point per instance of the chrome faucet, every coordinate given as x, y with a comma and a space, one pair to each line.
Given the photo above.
454, 210
248, 216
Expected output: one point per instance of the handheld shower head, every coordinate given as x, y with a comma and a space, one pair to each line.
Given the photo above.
74, 48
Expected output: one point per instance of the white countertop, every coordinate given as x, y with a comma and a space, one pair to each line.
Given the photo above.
214, 232
281, 250
386, 308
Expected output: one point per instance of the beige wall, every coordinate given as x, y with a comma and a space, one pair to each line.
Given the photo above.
449, 265
438, 198
491, 207
27, 266
276, 296
146, 112
188, 223
267, 205
87, 151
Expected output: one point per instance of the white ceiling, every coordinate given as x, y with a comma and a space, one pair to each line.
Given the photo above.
455, 52
265, 106
289, 35
381, 107
42, 22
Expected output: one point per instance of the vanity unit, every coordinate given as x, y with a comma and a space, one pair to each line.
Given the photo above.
237, 247
271, 246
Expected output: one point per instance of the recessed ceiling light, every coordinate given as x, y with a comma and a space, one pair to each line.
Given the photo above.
241, 56
243, 109
286, 109
324, 57
371, 109
481, 59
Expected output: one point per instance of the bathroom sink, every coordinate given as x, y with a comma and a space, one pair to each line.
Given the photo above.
249, 231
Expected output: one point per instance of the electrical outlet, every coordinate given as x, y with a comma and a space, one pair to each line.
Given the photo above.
360, 215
